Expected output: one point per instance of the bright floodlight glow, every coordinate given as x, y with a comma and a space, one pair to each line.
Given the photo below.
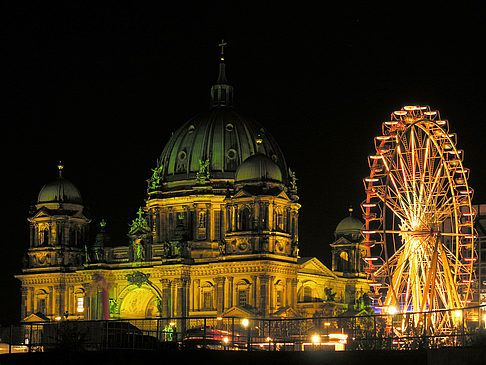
225, 340
457, 313
316, 339
392, 310
245, 322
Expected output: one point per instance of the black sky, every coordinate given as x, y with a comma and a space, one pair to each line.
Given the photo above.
101, 87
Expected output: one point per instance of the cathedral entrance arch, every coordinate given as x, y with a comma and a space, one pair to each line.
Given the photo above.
138, 302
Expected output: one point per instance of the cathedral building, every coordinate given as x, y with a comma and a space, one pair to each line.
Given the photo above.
217, 236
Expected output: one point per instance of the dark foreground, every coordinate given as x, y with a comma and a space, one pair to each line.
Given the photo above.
455, 356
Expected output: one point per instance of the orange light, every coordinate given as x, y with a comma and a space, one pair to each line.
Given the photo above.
368, 205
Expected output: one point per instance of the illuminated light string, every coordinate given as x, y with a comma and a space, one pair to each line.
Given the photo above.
418, 185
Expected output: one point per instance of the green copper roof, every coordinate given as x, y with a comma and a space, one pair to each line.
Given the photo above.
59, 191
220, 136
349, 227
258, 167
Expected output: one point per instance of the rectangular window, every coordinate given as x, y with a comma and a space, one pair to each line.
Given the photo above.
41, 306
80, 304
279, 298
207, 300
242, 298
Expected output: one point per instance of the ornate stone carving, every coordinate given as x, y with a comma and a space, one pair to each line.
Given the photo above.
138, 278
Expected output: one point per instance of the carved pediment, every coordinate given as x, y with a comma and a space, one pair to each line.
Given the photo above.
286, 312
242, 194
238, 312
342, 241
36, 317
312, 265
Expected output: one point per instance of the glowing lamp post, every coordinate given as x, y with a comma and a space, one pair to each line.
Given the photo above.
246, 324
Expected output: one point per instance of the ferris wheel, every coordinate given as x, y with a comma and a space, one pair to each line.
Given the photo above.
418, 227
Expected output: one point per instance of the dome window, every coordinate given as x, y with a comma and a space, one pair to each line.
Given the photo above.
231, 154
182, 155
191, 129
229, 127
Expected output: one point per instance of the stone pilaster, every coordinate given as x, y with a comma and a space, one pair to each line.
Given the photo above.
166, 298
263, 298
220, 295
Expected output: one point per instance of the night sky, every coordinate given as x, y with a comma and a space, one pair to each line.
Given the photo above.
102, 87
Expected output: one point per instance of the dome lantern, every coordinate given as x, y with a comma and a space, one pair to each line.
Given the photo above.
222, 92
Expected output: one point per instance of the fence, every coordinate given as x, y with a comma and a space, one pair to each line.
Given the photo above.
230, 333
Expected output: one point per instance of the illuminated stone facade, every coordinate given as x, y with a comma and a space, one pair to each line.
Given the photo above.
218, 235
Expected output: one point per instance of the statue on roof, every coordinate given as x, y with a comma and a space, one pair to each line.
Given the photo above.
202, 176
154, 181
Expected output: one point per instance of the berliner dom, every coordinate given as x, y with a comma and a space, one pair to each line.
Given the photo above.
217, 235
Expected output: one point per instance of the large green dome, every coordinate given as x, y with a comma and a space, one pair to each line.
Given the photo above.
221, 136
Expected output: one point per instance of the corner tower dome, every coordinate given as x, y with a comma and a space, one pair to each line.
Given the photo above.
60, 190
258, 167
349, 227
219, 139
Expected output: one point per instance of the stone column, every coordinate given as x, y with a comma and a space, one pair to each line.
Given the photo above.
293, 292
220, 295
166, 298
263, 302
196, 295
229, 295
271, 289
254, 302
180, 299
24, 307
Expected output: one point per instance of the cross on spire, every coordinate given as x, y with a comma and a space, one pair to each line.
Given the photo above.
222, 45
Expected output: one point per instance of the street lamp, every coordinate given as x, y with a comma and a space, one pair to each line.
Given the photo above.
246, 323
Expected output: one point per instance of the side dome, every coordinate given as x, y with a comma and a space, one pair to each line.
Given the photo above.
258, 167
60, 190
350, 227
223, 138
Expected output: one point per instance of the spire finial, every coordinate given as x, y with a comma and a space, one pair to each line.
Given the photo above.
60, 166
222, 45
221, 91
350, 210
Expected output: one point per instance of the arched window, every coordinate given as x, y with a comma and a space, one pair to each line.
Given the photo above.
279, 220
265, 217
279, 294
245, 219
79, 304
243, 293
41, 301
45, 236
308, 294
207, 296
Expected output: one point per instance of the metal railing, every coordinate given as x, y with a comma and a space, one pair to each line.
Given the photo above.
377, 331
